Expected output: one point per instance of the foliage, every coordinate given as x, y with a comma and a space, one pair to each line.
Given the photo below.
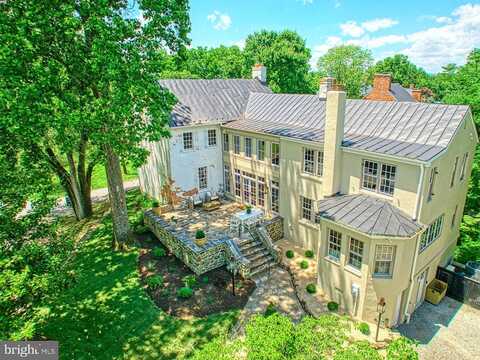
271, 309
311, 288
360, 350
402, 349
364, 328
349, 65
159, 252
141, 229
285, 55
402, 70
332, 306
248, 209
218, 349
303, 264
309, 254
185, 293
205, 279
155, 203
289, 254
154, 281
190, 281
199, 234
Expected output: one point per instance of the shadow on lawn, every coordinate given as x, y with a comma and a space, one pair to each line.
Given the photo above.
108, 315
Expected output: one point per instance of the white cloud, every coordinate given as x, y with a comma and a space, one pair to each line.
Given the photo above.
220, 21
377, 24
351, 28
376, 42
443, 20
337, 4
306, 2
240, 43
322, 49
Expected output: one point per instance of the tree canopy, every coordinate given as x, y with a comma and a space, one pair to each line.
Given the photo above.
402, 70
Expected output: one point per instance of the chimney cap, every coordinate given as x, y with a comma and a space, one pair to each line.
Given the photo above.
383, 75
258, 65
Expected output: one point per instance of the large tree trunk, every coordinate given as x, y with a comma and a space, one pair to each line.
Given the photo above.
116, 194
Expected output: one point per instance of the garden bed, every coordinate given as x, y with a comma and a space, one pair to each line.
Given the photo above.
212, 291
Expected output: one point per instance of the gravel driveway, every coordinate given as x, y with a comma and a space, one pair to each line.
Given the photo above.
449, 330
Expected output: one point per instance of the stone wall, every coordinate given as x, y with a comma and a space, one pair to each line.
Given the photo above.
275, 228
198, 259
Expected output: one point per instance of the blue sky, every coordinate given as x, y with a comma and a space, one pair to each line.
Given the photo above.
431, 33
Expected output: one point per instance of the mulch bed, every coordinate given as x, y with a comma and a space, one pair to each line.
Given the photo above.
212, 292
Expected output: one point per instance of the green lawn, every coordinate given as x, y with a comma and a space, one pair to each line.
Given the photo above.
107, 315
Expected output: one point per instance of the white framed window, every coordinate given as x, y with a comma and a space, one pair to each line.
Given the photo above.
431, 183
334, 244
187, 141
432, 233
308, 161
238, 185
454, 216
261, 191
275, 194
319, 163
202, 177
355, 253
307, 205
384, 260
248, 147
212, 137
260, 150
249, 188
275, 151
236, 144
454, 173
464, 166
226, 178
378, 177
226, 143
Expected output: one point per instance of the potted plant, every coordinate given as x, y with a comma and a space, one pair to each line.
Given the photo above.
157, 210
200, 238
248, 209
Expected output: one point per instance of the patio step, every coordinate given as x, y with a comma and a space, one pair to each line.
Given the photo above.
258, 254
262, 267
246, 246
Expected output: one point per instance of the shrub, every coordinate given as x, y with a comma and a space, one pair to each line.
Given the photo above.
141, 229
364, 328
304, 264
185, 292
155, 203
138, 220
402, 349
159, 252
289, 254
271, 309
199, 234
204, 279
309, 254
154, 281
151, 265
358, 350
311, 288
190, 281
332, 306
248, 209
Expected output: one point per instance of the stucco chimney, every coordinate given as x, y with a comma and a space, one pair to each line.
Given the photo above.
259, 72
382, 82
332, 153
326, 84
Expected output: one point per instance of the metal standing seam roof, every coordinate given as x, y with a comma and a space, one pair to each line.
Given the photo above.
210, 101
411, 130
369, 215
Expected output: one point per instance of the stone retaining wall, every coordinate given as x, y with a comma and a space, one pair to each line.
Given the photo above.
275, 228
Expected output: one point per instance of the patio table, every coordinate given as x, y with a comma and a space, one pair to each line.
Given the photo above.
245, 219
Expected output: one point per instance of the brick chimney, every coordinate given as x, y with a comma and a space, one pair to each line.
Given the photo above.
259, 72
382, 82
417, 94
326, 84
332, 152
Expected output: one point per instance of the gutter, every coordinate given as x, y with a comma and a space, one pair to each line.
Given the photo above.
386, 156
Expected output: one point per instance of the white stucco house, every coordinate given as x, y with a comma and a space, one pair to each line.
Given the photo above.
192, 157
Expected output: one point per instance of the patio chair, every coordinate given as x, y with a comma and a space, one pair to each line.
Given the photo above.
197, 200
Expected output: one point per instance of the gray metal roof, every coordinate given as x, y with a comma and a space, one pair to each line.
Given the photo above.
369, 215
408, 129
205, 101
397, 91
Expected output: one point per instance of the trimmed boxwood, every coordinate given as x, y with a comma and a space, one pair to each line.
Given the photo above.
364, 328
309, 254
289, 254
185, 292
332, 306
154, 281
304, 264
199, 234
159, 252
311, 288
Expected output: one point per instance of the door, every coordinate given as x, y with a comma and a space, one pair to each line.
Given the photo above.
422, 281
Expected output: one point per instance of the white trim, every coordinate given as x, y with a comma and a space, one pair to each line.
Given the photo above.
385, 156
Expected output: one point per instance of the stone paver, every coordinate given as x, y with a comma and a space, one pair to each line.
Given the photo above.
275, 288
449, 330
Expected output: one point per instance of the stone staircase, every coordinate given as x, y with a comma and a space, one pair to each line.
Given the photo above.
254, 250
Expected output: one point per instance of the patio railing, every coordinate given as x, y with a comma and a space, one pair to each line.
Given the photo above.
259, 232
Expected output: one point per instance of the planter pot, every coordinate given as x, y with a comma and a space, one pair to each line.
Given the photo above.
157, 210
436, 290
201, 242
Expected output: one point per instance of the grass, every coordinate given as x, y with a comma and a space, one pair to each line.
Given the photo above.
107, 314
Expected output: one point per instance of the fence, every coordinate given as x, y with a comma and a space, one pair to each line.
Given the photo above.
461, 288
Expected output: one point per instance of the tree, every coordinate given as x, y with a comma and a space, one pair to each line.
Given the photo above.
349, 65
284, 54
87, 74
214, 63
402, 70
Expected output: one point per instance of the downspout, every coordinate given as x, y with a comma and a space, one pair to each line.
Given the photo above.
418, 209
